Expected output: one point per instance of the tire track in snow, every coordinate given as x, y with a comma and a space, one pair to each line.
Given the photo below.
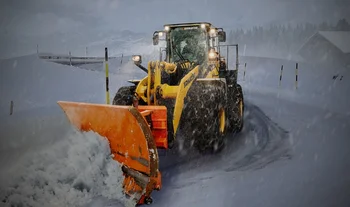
270, 141
260, 143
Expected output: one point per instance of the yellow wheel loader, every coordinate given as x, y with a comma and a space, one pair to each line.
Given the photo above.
189, 94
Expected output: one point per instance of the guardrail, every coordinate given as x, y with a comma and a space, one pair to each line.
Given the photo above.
72, 60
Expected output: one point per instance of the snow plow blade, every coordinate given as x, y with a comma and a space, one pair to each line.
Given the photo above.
132, 140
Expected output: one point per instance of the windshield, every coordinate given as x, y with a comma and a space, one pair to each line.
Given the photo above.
191, 43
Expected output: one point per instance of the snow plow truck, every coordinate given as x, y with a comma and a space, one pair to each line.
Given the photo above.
189, 91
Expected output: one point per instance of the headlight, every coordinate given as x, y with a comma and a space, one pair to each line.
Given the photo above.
212, 54
203, 26
212, 32
137, 59
166, 28
160, 34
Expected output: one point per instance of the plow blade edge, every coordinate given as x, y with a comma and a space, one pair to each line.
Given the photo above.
130, 139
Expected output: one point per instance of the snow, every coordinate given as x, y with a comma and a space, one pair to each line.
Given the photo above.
32, 83
71, 172
340, 39
46, 162
293, 150
316, 84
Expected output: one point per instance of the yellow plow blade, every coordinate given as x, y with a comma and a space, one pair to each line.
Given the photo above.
130, 139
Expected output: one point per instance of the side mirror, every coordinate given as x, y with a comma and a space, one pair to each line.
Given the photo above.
162, 54
137, 59
222, 36
155, 38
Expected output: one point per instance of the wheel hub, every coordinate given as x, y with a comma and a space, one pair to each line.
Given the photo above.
222, 119
241, 108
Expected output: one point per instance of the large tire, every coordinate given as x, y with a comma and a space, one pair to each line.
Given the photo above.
201, 123
124, 95
235, 109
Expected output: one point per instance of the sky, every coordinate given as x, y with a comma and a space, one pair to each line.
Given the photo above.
24, 24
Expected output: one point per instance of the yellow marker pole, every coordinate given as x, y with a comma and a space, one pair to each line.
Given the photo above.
107, 78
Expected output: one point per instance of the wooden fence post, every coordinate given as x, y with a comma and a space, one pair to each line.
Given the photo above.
11, 107
296, 76
281, 73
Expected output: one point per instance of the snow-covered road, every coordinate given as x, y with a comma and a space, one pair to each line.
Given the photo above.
293, 150
302, 161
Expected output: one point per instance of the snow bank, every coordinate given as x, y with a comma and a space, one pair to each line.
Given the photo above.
33, 83
318, 86
71, 172
45, 162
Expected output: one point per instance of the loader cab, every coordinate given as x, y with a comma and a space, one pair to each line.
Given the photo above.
194, 42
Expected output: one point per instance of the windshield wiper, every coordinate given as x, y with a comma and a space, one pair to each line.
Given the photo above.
180, 55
